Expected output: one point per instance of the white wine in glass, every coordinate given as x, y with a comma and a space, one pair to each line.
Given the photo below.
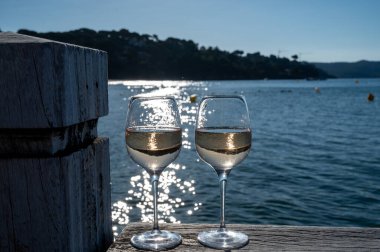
223, 139
153, 138
153, 148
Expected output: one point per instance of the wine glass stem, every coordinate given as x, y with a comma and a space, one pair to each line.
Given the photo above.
223, 183
154, 181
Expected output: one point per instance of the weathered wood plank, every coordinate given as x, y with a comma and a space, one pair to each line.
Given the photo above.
54, 171
56, 203
268, 238
47, 84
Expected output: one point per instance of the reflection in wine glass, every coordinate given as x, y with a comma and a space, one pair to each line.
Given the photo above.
153, 139
223, 139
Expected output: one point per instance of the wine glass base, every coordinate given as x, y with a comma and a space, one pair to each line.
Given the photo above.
223, 239
156, 240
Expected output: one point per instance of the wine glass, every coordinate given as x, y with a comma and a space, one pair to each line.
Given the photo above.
223, 140
153, 138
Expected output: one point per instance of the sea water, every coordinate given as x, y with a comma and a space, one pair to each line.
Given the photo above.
315, 157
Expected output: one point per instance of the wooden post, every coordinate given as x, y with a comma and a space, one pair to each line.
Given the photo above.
54, 169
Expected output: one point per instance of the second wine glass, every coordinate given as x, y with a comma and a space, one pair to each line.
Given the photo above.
153, 137
223, 139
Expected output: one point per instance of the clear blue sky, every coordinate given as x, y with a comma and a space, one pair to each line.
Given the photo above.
316, 30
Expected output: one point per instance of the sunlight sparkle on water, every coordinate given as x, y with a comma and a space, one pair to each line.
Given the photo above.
175, 193
167, 202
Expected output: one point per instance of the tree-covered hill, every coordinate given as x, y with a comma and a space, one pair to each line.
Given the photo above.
135, 56
360, 69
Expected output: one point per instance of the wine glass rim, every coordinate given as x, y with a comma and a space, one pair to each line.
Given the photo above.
143, 97
241, 97
151, 97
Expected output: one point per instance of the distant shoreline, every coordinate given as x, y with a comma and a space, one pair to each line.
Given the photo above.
136, 56
140, 56
359, 69
159, 82
349, 78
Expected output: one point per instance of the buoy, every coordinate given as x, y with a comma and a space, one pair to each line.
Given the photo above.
193, 98
371, 97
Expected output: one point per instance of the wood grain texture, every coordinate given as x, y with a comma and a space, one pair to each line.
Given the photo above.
267, 238
46, 142
47, 84
57, 203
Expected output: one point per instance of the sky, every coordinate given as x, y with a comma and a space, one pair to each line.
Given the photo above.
315, 30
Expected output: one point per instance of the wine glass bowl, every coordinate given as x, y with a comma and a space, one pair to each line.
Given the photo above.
153, 148
223, 139
223, 148
153, 139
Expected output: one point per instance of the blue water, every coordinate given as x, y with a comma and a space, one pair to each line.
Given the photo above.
315, 158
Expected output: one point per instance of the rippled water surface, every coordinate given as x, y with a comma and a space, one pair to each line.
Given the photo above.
315, 158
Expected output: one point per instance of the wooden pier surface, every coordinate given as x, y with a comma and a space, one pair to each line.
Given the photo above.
267, 238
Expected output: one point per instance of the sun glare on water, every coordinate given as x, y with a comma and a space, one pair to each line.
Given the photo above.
175, 193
